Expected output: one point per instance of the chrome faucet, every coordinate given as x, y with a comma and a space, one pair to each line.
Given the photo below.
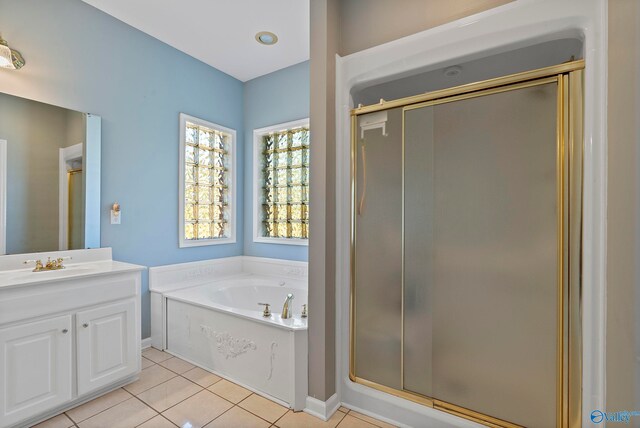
286, 308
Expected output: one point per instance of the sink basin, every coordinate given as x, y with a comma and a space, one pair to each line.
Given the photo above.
84, 264
28, 274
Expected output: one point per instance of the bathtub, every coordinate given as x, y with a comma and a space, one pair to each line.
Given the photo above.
220, 326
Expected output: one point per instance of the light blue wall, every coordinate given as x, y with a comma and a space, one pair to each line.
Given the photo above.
80, 58
275, 98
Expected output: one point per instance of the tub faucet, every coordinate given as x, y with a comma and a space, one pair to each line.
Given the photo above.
286, 308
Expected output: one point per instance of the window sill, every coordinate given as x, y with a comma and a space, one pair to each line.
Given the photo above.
282, 241
204, 242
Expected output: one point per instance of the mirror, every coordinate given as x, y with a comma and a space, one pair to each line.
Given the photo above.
49, 177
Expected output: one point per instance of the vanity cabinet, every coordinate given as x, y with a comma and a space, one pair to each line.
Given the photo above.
36, 365
66, 337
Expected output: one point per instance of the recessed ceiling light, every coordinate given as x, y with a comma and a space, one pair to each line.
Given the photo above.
453, 71
266, 38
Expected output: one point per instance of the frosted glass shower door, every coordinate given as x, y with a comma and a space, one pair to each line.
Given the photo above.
480, 279
378, 259
466, 255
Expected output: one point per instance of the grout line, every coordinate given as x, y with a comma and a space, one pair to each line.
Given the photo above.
202, 389
344, 416
111, 407
228, 401
124, 387
179, 374
220, 415
103, 410
218, 395
143, 358
247, 410
197, 392
157, 362
205, 387
146, 420
278, 420
168, 420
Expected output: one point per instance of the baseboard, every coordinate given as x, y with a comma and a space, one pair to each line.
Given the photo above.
146, 343
322, 409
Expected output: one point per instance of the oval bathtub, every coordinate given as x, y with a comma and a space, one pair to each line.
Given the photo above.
220, 326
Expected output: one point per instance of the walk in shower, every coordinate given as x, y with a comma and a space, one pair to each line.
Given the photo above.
466, 241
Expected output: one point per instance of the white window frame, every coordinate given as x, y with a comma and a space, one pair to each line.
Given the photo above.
257, 185
186, 243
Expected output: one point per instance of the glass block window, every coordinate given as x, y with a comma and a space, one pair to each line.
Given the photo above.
207, 183
283, 183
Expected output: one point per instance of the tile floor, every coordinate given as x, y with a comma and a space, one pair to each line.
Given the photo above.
172, 392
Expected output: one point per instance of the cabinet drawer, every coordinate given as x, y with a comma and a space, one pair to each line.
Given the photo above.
65, 296
107, 345
36, 368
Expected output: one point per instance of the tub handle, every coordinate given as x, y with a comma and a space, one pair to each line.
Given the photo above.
266, 312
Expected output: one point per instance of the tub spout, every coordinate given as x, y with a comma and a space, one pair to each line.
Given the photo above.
286, 308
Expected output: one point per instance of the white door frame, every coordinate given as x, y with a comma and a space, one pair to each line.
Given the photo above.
3, 197
65, 155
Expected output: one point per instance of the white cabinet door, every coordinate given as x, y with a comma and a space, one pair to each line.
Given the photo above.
107, 345
35, 368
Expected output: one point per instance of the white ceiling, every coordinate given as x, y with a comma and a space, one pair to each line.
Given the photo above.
221, 33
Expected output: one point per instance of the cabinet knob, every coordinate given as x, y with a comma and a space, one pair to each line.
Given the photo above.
65, 331
85, 325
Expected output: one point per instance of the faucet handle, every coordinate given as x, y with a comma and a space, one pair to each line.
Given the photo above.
266, 312
38, 263
59, 261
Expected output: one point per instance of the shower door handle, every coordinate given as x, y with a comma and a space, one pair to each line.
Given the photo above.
364, 180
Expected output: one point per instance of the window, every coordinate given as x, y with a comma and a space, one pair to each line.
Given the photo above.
207, 183
281, 183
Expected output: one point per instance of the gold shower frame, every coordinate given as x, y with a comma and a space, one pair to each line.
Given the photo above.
569, 78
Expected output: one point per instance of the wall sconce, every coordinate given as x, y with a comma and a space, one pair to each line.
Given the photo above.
10, 58
115, 213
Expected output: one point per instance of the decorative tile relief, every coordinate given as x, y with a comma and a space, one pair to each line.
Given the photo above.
296, 272
274, 345
174, 277
228, 345
283, 268
200, 271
